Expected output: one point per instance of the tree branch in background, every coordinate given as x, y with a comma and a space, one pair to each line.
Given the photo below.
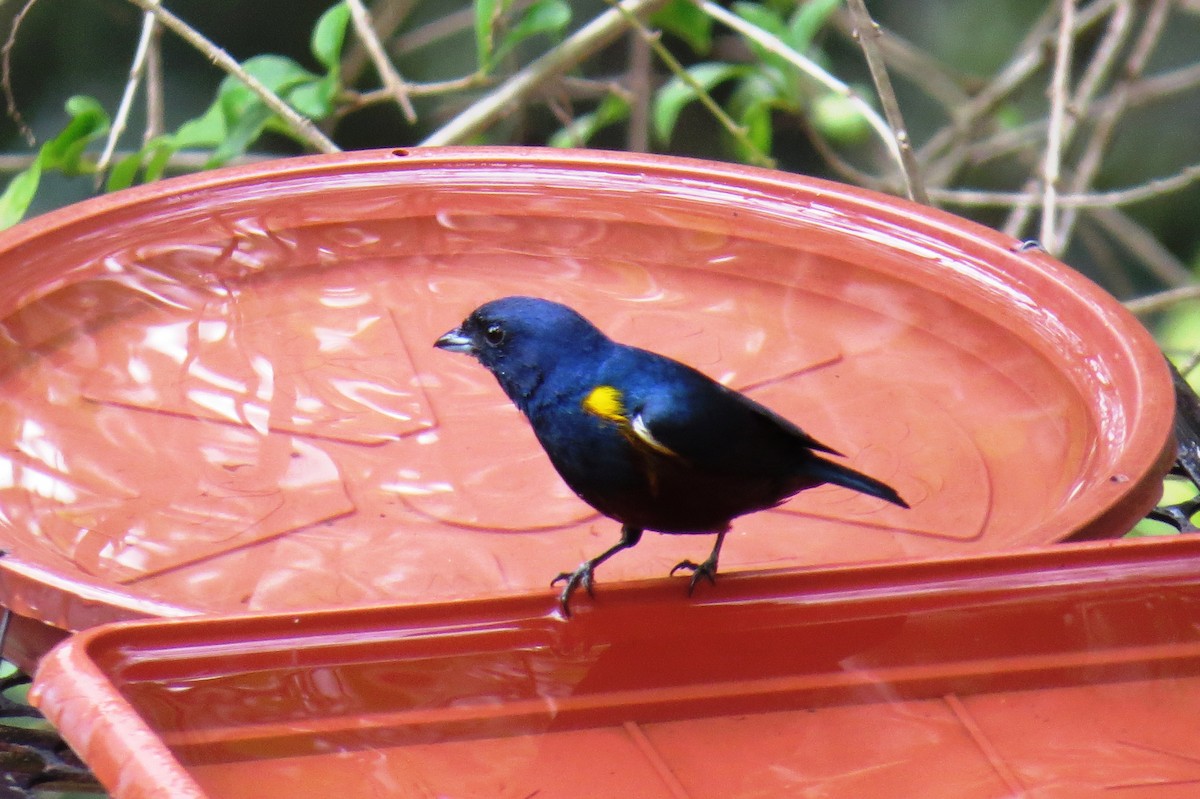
504, 98
155, 107
302, 127
1142, 245
137, 69
738, 132
361, 20
6, 74
1106, 120
1054, 136
640, 83
387, 17
810, 68
1100, 199
868, 34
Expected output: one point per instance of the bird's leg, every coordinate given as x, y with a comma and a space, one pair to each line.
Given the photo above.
707, 569
583, 575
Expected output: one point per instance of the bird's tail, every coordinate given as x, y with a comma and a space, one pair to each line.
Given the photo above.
844, 476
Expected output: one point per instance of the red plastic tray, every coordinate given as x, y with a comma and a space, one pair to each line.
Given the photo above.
221, 394
1064, 672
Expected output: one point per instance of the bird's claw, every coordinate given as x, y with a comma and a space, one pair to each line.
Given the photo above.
706, 570
581, 576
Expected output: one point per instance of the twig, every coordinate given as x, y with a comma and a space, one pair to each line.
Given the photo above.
810, 68
302, 127
185, 160
1161, 300
1107, 120
1101, 199
1163, 85
386, 69
120, 119
834, 159
932, 76
1108, 264
487, 110
1140, 243
6, 74
941, 155
1054, 136
387, 16
444, 27
868, 34
640, 84
155, 107
677, 69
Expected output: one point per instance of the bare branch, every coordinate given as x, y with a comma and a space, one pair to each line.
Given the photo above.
6, 73
121, 118
302, 127
1141, 244
1162, 300
941, 154
386, 69
577, 47
677, 69
809, 67
640, 79
387, 16
868, 34
155, 107
1106, 121
923, 70
1100, 199
1054, 136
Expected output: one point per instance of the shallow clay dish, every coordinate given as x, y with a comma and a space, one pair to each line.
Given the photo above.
1061, 673
221, 393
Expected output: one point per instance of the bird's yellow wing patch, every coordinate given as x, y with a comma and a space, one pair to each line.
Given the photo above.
607, 403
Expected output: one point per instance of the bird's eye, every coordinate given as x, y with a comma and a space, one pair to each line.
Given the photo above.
494, 335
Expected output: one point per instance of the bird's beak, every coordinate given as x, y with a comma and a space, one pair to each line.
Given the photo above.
455, 341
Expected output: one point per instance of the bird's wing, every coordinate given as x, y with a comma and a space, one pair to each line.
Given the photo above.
678, 411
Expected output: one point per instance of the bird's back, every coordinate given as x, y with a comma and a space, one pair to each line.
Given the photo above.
677, 451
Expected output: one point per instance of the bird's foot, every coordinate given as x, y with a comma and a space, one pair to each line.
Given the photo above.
706, 570
581, 576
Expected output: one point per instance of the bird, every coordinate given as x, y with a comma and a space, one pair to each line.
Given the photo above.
646, 440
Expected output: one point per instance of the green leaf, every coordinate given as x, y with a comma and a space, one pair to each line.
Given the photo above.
315, 99
839, 119
612, 109
761, 17
684, 19
670, 100
244, 130
160, 151
329, 36
124, 172
19, 193
278, 73
202, 132
807, 22
485, 15
89, 121
544, 16
770, 22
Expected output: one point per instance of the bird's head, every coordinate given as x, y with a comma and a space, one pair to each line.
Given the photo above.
521, 341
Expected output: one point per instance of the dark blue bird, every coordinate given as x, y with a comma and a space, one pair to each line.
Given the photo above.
642, 438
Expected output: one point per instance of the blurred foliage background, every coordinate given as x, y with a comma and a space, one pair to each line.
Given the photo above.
988, 90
